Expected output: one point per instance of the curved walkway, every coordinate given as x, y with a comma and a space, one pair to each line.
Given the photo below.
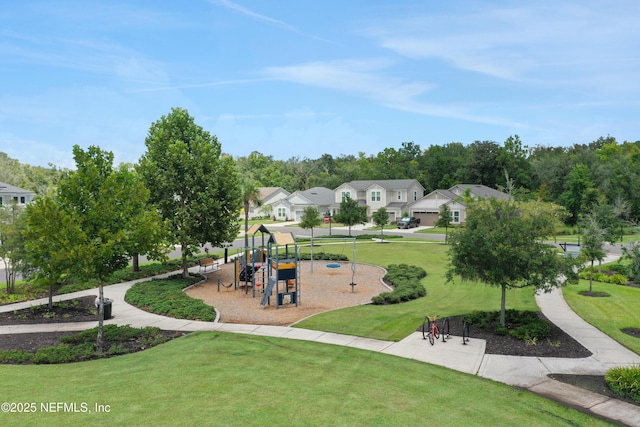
524, 372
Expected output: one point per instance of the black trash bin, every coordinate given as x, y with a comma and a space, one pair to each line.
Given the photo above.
107, 308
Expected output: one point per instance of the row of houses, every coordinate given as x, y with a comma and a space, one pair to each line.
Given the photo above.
397, 196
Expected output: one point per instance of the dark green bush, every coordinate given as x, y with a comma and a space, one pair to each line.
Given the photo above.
15, 356
406, 282
165, 297
322, 256
625, 381
111, 333
524, 325
64, 353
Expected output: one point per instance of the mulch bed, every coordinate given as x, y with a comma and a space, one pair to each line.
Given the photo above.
81, 309
559, 344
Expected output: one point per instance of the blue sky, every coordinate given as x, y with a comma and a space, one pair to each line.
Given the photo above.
302, 78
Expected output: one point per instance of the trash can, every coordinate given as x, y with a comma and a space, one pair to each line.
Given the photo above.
107, 308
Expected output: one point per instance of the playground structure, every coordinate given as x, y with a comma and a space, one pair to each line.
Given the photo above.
265, 266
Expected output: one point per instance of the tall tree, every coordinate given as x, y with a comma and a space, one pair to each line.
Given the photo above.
380, 218
89, 228
592, 246
503, 245
444, 220
579, 193
513, 159
193, 185
310, 219
250, 195
11, 242
483, 167
351, 213
53, 239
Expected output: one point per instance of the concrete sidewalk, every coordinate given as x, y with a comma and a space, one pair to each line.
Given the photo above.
530, 373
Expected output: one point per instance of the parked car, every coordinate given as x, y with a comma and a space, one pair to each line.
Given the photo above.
408, 222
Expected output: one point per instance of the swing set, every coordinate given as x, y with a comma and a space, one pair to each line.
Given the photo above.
342, 240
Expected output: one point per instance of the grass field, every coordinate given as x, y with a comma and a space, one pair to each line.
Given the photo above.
609, 314
394, 322
221, 379
226, 379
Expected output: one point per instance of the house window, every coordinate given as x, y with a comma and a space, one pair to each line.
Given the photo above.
22, 200
15, 198
415, 195
282, 212
375, 196
399, 195
346, 195
0, 200
456, 216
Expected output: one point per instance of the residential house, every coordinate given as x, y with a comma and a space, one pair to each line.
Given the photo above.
268, 196
10, 193
292, 207
395, 195
427, 209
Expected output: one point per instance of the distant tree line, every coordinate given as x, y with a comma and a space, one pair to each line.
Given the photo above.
604, 172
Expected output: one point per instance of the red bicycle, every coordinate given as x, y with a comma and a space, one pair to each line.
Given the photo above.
430, 330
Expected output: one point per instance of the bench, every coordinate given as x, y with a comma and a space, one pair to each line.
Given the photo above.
208, 263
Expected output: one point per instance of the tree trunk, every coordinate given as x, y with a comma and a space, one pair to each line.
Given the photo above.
503, 305
246, 225
591, 278
185, 263
100, 339
136, 263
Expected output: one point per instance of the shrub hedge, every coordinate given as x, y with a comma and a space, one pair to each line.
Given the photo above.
406, 282
81, 346
524, 325
165, 297
625, 381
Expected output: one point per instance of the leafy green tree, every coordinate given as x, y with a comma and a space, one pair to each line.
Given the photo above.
194, 186
503, 245
483, 166
592, 247
310, 219
380, 219
89, 228
513, 159
579, 192
632, 253
351, 213
52, 239
11, 242
444, 220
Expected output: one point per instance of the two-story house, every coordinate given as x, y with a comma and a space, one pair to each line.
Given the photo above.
268, 196
9, 193
427, 209
395, 195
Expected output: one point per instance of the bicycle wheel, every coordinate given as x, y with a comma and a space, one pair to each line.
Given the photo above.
436, 331
445, 329
432, 340
425, 327
465, 333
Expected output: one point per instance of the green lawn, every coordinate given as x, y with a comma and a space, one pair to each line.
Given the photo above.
609, 314
394, 322
213, 378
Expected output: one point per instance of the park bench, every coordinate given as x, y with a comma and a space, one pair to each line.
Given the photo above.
208, 263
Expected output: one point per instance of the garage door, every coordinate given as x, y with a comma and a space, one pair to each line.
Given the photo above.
426, 218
